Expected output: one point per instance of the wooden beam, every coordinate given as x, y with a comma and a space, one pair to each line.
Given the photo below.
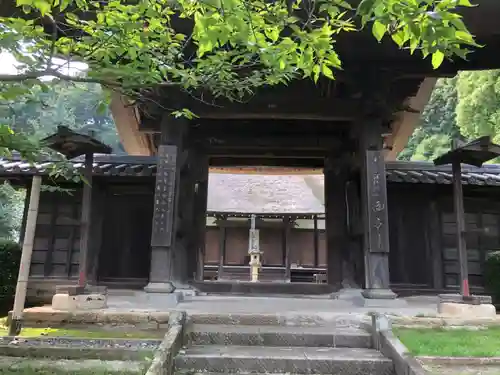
284, 107
127, 122
300, 142
406, 121
263, 161
71, 239
83, 268
316, 241
268, 153
286, 238
47, 267
222, 252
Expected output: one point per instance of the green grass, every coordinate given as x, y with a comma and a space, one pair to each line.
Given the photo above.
451, 342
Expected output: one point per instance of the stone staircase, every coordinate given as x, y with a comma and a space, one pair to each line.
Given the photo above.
267, 348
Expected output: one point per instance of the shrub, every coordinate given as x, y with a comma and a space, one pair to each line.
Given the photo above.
492, 275
10, 256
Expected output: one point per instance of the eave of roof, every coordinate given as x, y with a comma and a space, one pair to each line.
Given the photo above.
137, 166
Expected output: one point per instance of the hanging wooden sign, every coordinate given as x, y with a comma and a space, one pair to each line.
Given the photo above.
164, 200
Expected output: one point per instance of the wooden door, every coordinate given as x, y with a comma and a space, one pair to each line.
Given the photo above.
125, 251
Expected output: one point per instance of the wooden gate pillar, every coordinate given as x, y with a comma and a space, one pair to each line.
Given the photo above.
168, 260
337, 172
200, 212
374, 209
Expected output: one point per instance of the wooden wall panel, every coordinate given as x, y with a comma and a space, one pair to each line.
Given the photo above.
212, 245
271, 243
409, 257
236, 245
302, 247
56, 232
322, 253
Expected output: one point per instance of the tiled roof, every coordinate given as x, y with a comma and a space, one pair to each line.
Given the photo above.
254, 193
406, 172
427, 173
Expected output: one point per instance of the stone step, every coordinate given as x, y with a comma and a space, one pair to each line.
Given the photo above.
294, 360
326, 336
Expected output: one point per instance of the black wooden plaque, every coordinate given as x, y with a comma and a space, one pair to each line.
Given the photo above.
163, 215
378, 231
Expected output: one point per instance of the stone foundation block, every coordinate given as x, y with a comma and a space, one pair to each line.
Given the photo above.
383, 298
464, 310
67, 302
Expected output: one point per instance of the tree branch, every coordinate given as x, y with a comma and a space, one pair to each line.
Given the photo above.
69, 78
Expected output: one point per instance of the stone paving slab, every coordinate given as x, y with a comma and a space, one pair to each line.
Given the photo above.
463, 370
137, 309
46, 316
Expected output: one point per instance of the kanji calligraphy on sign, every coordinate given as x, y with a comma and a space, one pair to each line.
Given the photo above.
164, 196
377, 202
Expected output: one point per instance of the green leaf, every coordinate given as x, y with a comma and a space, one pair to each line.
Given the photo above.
327, 71
464, 35
43, 6
316, 71
437, 59
379, 30
64, 4
465, 3
398, 38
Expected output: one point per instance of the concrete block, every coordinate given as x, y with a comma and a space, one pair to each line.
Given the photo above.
471, 300
67, 302
370, 297
381, 303
167, 287
163, 300
464, 310
75, 290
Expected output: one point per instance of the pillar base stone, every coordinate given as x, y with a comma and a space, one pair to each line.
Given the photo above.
67, 302
370, 297
166, 287
467, 307
379, 294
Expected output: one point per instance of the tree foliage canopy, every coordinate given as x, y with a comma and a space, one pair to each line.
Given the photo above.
478, 109
438, 125
226, 47
465, 107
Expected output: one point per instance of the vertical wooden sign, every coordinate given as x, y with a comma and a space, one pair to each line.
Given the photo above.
378, 231
163, 215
